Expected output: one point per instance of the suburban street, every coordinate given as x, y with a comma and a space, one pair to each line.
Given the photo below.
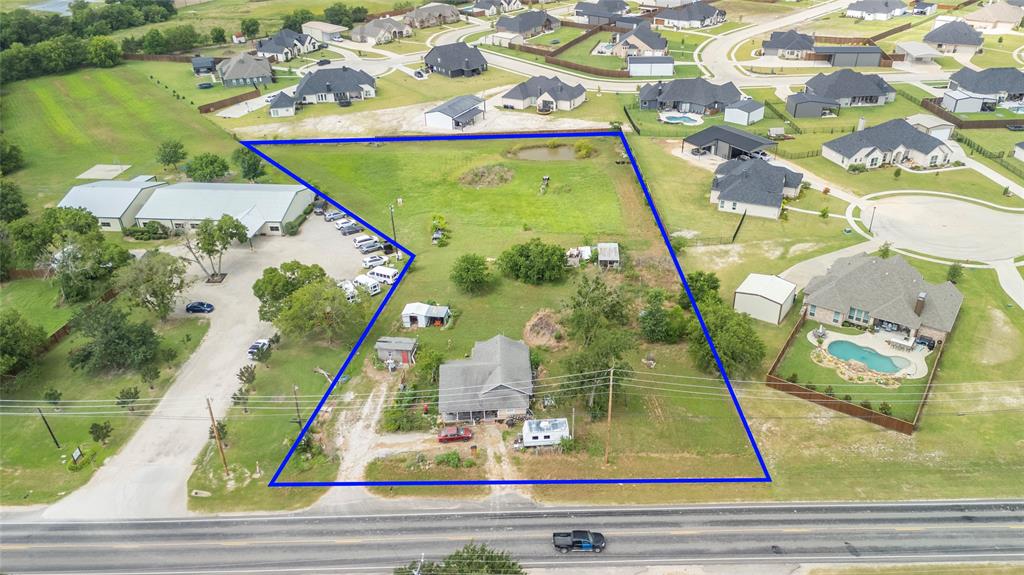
767, 535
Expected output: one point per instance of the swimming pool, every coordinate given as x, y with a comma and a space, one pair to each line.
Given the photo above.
680, 119
847, 350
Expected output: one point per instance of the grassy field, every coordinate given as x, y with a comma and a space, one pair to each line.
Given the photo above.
178, 80
32, 470
997, 51
563, 34
837, 24
581, 53
66, 124
420, 466
37, 300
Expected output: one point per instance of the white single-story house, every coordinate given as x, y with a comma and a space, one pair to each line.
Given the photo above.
455, 114
744, 112
323, 31
419, 314
503, 39
753, 187
893, 142
876, 9
543, 432
996, 18
651, 66
545, 94
262, 208
765, 298
115, 203
932, 125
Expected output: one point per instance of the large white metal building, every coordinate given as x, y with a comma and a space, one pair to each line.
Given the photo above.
115, 203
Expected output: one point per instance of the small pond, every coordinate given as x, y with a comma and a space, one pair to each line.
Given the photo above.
546, 154
847, 350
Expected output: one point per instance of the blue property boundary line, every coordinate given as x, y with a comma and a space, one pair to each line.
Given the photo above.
254, 145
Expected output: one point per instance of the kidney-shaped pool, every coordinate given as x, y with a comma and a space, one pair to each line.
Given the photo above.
847, 350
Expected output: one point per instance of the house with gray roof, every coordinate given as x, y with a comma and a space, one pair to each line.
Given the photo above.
640, 41
456, 60
754, 187
788, 45
956, 37
285, 45
876, 9
380, 31
494, 383
282, 106
804, 105
335, 85
600, 12
492, 7
203, 65
729, 143
883, 294
114, 203
893, 142
528, 24
245, 70
455, 114
695, 95
546, 94
692, 15
433, 14
744, 112
850, 56
850, 88
983, 90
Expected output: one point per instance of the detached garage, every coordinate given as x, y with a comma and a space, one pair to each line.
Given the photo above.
651, 66
766, 298
455, 114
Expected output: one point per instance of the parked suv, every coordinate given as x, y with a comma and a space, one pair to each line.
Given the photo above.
350, 228
258, 346
335, 215
368, 247
925, 341
374, 261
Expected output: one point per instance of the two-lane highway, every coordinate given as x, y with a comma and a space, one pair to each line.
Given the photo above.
638, 536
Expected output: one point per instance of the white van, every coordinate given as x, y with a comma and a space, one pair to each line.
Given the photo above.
367, 283
384, 274
351, 294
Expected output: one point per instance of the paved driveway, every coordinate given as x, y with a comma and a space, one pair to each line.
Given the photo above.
148, 477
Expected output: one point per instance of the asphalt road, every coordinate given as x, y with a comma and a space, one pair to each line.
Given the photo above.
723, 534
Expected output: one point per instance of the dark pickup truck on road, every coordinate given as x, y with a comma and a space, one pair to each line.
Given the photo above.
579, 541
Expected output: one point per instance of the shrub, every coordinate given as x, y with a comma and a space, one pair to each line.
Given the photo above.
830, 391
857, 168
885, 408
584, 150
793, 378
866, 404
449, 459
470, 274
811, 387
148, 231
534, 262
678, 244
847, 397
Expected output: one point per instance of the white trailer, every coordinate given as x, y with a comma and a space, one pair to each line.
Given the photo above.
542, 432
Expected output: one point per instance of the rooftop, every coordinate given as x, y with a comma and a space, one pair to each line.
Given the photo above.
105, 199
772, 288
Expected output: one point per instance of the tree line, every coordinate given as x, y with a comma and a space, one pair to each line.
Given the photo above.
28, 28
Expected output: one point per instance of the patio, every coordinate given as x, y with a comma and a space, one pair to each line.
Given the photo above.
886, 344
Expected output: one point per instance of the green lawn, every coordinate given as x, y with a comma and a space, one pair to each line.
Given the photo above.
562, 34
997, 140
31, 468
581, 53
37, 300
418, 466
997, 51
178, 80
848, 117
837, 24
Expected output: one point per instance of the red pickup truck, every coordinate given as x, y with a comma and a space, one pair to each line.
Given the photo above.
452, 433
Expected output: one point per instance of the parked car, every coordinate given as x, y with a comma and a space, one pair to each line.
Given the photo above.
579, 541
362, 239
204, 85
418, 74
453, 433
342, 223
925, 341
333, 215
698, 151
350, 228
199, 307
318, 209
351, 294
762, 154
368, 247
258, 346
387, 247
374, 261
323, 62
344, 102
1015, 127
370, 285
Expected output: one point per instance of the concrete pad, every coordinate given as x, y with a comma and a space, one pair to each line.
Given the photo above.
104, 172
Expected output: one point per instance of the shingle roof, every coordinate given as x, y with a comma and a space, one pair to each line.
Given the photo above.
202, 62
455, 56
284, 39
244, 66
887, 289
388, 343
432, 10
789, 40
803, 97
887, 137
644, 34
733, 136
375, 27
754, 181
457, 106
525, 22
282, 100
553, 86
876, 6
847, 50
846, 83
956, 32
997, 12
746, 106
694, 12
691, 90
105, 199
342, 80
650, 60
990, 80
496, 376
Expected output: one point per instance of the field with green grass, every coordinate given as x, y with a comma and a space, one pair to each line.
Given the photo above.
178, 80
997, 51
421, 466
38, 300
848, 117
581, 53
556, 37
837, 24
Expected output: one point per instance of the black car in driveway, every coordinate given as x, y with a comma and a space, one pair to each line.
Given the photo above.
199, 307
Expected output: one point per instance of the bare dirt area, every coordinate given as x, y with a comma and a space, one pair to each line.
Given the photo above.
543, 329
1002, 340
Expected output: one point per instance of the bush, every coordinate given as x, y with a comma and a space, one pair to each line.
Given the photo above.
885, 408
847, 397
534, 262
470, 274
88, 454
449, 459
678, 244
811, 387
866, 404
793, 378
857, 168
584, 150
830, 391
148, 231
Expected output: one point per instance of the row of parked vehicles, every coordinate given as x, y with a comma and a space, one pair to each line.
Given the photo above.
376, 263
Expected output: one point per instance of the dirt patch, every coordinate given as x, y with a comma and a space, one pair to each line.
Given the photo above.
487, 176
802, 248
1002, 339
544, 330
688, 234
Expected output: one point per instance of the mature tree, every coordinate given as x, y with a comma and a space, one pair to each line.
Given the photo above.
153, 42
84, 263
321, 310
955, 272
212, 239
206, 167
153, 282
171, 153
473, 559
296, 19
20, 341
704, 287
339, 14
589, 366
218, 35
180, 38
278, 283
127, 397
12, 204
470, 274
103, 52
112, 341
738, 345
11, 157
595, 307
100, 432
250, 164
250, 27
658, 324
534, 262
39, 239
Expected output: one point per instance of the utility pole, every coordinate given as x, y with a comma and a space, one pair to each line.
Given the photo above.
394, 231
298, 414
216, 437
872, 222
608, 438
47, 424
572, 426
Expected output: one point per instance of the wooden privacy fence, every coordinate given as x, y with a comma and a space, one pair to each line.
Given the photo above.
27, 274
934, 106
551, 56
886, 421
221, 104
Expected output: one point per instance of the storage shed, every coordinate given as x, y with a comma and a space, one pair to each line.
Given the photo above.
608, 255
418, 314
764, 297
650, 66
542, 432
744, 112
401, 350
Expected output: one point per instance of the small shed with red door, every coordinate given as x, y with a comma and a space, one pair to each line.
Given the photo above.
401, 350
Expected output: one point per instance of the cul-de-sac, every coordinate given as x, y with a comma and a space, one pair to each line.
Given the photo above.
512, 287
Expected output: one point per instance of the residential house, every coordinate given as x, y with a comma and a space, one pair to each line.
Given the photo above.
456, 60
917, 52
285, 45
245, 70
419, 314
744, 112
876, 9
983, 90
932, 125
494, 383
492, 7
335, 85
923, 8
323, 32
753, 187
528, 24
1018, 151
397, 350
608, 255
805, 105
695, 95
503, 39
650, 66
640, 41
600, 12
850, 88
692, 15
892, 142
262, 208
956, 37
433, 14
546, 94
996, 18
203, 65
788, 45
114, 203
765, 298
885, 294
380, 31
728, 143
282, 106
455, 114
851, 56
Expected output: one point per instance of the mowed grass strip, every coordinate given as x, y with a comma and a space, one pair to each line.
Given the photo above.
38, 301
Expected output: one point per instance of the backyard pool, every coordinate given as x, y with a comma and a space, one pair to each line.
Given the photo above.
847, 350
688, 119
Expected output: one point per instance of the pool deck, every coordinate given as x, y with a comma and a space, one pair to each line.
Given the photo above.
877, 342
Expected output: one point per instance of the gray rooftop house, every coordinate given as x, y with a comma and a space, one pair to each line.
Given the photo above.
640, 41
876, 9
398, 350
335, 85
892, 142
285, 45
983, 90
282, 106
456, 60
203, 65
494, 383
433, 14
851, 88
883, 294
547, 94
789, 45
380, 31
114, 203
754, 187
728, 142
693, 15
804, 105
600, 12
695, 95
953, 37
245, 70
528, 24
